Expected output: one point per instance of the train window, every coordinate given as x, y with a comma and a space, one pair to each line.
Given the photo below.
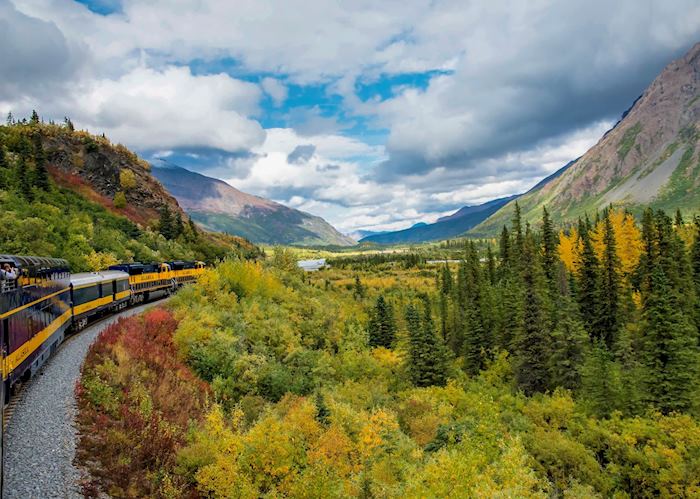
122, 285
84, 295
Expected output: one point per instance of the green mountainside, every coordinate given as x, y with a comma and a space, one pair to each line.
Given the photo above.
218, 206
66, 193
650, 158
451, 226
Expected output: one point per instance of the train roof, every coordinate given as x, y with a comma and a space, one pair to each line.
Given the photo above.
85, 278
36, 265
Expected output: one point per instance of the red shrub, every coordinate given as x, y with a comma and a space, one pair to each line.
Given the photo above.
130, 450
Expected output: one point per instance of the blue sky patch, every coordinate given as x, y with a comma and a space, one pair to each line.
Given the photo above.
102, 7
387, 85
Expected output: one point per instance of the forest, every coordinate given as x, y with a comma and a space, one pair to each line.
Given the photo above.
551, 362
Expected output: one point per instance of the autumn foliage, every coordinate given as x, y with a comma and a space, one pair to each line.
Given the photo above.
304, 404
136, 402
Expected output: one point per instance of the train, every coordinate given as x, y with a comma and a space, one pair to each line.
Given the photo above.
45, 302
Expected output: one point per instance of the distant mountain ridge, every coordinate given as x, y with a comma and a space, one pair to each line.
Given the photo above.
219, 206
651, 157
450, 226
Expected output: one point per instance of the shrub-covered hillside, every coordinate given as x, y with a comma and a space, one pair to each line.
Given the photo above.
54, 201
387, 382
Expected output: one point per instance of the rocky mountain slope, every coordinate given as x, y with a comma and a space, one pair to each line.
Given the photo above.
218, 206
99, 170
453, 225
650, 158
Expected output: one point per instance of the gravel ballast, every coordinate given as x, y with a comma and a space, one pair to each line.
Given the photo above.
41, 436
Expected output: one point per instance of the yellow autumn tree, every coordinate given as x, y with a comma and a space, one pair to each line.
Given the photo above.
570, 249
627, 236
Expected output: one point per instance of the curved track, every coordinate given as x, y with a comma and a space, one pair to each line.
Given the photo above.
40, 437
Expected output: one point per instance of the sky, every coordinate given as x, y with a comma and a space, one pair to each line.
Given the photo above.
373, 115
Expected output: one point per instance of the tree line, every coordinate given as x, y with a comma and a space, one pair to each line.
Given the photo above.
28, 169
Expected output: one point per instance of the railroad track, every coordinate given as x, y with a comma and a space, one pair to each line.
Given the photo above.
9, 409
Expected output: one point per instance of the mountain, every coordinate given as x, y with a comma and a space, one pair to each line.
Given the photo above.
651, 157
218, 206
361, 234
450, 226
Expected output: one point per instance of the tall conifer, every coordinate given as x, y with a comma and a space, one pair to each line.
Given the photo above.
608, 322
532, 341
518, 241
504, 248
166, 223
549, 248
588, 291
428, 363
491, 265
670, 347
41, 175
382, 327
695, 265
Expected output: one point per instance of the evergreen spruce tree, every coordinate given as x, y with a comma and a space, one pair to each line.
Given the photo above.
446, 285
600, 380
491, 265
428, 362
474, 349
588, 291
359, 289
608, 322
670, 346
549, 248
632, 371
322, 412
41, 175
446, 282
569, 342
34, 120
477, 337
415, 347
510, 312
674, 260
23, 181
679, 222
166, 223
382, 327
460, 294
504, 248
178, 225
695, 265
648, 258
533, 339
518, 241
